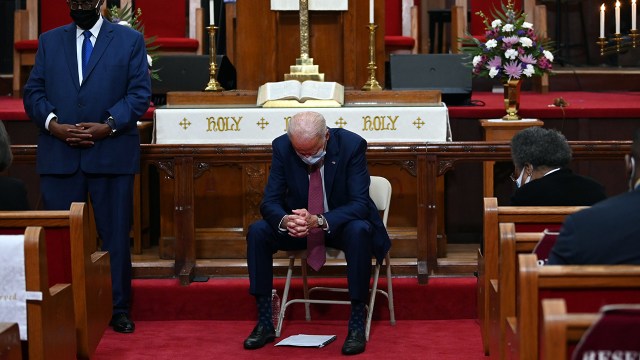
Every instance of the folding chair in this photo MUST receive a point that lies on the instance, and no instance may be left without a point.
(380, 193)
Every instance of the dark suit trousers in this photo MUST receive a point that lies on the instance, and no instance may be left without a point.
(112, 200)
(354, 239)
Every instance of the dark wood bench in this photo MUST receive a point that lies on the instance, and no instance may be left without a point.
(561, 331)
(86, 268)
(583, 287)
(488, 257)
(10, 347)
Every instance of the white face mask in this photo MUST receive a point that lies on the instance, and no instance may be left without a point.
(519, 179)
(313, 159)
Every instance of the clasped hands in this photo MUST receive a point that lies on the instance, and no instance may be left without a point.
(80, 135)
(300, 222)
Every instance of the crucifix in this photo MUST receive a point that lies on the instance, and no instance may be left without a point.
(304, 68)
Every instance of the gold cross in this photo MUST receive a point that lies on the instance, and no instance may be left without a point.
(418, 123)
(262, 123)
(185, 123)
(341, 123)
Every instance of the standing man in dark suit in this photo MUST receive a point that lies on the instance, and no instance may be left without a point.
(349, 220)
(88, 88)
(607, 233)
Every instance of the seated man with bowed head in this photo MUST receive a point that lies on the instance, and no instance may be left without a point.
(318, 189)
(541, 158)
(13, 193)
(607, 233)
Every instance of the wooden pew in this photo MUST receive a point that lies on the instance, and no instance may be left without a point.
(561, 330)
(50, 320)
(488, 258)
(502, 291)
(10, 346)
(584, 288)
(90, 269)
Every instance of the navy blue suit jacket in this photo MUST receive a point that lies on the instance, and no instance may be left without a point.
(606, 233)
(346, 181)
(117, 84)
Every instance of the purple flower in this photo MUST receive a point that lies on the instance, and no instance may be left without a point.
(511, 40)
(513, 69)
(496, 62)
(527, 59)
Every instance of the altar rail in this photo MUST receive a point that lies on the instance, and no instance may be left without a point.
(426, 163)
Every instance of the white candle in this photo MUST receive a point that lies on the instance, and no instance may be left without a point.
(371, 11)
(211, 15)
(617, 17)
(602, 21)
(633, 14)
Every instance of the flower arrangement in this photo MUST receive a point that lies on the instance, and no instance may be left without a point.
(512, 49)
(127, 17)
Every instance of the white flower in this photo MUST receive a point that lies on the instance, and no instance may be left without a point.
(491, 43)
(496, 23)
(511, 54)
(476, 60)
(529, 70)
(493, 72)
(149, 60)
(526, 42)
(548, 55)
(527, 25)
(508, 28)
(124, 23)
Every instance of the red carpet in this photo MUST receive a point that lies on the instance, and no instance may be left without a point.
(210, 320)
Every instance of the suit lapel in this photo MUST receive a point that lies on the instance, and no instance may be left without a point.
(331, 161)
(104, 38)
(70, 52)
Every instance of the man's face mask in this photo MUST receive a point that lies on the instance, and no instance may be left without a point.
(519, 179)
(313, 159)
(85, 19)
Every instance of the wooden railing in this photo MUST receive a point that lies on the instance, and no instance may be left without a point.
(426, 163)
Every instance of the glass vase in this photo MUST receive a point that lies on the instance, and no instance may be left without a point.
(512, 99)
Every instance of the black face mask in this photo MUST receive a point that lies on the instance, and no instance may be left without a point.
(85, 19)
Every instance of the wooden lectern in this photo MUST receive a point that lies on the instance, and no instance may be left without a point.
(267, 43)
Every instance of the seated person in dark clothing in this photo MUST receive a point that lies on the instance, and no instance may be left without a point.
(607, 233)
(13, 193)
(540, 157)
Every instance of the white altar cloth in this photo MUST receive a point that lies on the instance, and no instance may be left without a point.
(259, 126)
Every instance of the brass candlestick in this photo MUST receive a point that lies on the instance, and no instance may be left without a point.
(372, 84)
(213, 84)
(619, 42)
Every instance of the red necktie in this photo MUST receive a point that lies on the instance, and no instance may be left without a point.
(315, 240)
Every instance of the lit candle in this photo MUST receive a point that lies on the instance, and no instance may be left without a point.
(602, 21)
(371, 11)
(617, 16)
(211, 17)
(633, 14)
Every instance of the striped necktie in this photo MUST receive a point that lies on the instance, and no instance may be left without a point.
(87, 48)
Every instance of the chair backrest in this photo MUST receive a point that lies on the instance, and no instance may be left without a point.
(380, 193)
(617, 330)
(477, 28)
(163, 18)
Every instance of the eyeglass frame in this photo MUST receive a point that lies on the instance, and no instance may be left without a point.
(82, 5)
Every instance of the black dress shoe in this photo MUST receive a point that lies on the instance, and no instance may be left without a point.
(355, 343)
(259, 336)
(122, 323)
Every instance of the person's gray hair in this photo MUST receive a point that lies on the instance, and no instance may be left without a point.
(307, 125)
(540, 147)
(5, 149)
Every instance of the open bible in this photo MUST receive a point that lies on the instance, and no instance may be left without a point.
(292, 93)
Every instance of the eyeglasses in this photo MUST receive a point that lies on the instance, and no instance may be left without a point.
(84, 5)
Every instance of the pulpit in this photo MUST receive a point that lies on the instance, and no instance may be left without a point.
(265, 46)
